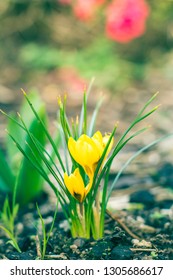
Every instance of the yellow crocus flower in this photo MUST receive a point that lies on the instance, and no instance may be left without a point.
(75, 185)
(87, 151)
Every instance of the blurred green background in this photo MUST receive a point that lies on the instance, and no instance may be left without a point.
(42, 38)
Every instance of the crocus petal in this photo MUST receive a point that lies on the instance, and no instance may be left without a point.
(84, 151)
(98, 140)
(72, 149)
(75, 185)
(69, 184)
(87, 151)
(105, 141)
(79, 181)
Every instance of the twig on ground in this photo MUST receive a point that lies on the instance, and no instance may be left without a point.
(119, 221)
(56, 257)
(143, 249)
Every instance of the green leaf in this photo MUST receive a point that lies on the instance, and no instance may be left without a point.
(6, 176)
(29, 181)
(15, 210)
(45, 130)
(12, 240)
(8, 233)
(19, 134)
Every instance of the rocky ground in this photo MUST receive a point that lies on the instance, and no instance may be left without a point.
(139, 227)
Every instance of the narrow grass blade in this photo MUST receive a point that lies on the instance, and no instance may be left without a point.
(133, 157)
(43, 232)
(94, 117)
(81, 118)
(12, 240)
(133, 124)
(103, 202)
(147, 104)
(35, 148)
(64, 145)
(35, 164)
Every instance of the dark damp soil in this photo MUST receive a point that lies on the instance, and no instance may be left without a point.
(141, 231)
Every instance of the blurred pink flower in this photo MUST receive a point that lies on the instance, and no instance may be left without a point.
(71, 79)
(126, 19)
(85, 9)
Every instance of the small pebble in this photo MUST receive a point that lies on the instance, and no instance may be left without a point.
(142, 243)
(19, 227)
(79, 242)
(73, 247)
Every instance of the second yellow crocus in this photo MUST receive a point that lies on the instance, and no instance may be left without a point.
(76, 186)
